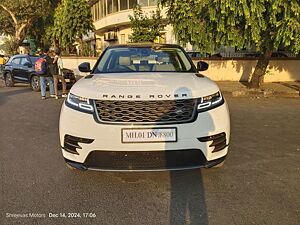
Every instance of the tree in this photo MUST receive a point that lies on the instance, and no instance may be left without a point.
(72, 20)
(144, 28)
(17, 16)
(10, 46)
(263, 24)
(37, 30)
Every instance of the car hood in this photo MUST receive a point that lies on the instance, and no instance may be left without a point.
(144, 86)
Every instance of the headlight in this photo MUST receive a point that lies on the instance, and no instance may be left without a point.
(210, 102)
(79, 103)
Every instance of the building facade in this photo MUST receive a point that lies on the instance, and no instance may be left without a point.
(112, 23)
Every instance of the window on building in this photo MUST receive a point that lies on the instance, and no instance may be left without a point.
(96, 11)
(122, 39)
(115, 6)
(143, 2)
(152, 2)
(93, 12)
(132, 3)
(123, 4)
(148, 2)
(109, 6)
(103, 6)
(100, 10)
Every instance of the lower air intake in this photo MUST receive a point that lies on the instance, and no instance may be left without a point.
(71, 143)
(127, 160)
(218, 141)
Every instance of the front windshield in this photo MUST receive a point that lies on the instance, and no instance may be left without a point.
(143, 59)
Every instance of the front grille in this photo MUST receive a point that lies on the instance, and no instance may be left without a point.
(127, 160)
(161, 111)
(68, 75)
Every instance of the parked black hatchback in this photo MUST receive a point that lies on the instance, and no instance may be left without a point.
(20, 69)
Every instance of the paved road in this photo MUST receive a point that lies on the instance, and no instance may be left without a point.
(259, 184)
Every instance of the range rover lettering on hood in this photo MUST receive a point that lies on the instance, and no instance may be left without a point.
(119, 96)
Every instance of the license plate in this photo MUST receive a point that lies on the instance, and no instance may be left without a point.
(149, 135)
(67, 80)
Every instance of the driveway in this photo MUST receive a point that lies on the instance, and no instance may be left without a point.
(259, 183)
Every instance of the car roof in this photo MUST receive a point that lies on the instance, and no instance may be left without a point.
(146, 45)
(24, 55)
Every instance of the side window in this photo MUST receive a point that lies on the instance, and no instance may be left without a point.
(16, 61)
(102, 67)
(33, 60)
(23, 61)
(177, 63)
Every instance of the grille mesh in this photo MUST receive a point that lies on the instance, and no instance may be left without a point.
(161, 111)
(145, 159)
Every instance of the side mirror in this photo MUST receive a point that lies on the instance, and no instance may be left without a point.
(84, 67)
(202, 66)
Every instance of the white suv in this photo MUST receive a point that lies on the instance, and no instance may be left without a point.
(144, 107)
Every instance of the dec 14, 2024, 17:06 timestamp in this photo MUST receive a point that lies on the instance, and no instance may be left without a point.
(72, 215)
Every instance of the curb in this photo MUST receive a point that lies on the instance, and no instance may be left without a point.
(262, 94)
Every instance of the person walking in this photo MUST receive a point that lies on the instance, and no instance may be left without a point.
(2, 60)
(58, 74)
(42, 68)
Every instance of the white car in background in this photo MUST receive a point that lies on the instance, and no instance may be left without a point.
(144, 107)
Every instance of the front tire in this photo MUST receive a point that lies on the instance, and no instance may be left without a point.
(35, 83)
(9, 81)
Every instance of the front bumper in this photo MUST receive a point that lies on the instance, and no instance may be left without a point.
(129, 167)
(105, 150)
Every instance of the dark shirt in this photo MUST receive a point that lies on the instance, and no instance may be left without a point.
(49, 64)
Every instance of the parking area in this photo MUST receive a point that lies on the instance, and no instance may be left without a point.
(259, 183)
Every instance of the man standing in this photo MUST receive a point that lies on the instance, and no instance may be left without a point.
(42, 68)
(58, 74)
(2, 60)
